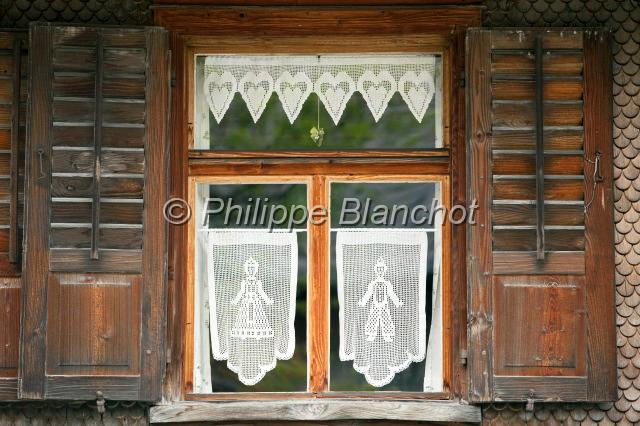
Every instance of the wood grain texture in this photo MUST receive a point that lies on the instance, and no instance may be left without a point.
(316, 410)
(508, 263)
(154, 257)
(95, 332)
(600, 295)
(479, 264)
(33, 333)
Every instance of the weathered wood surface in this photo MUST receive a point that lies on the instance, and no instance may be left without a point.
(97, 212)
(316, 410)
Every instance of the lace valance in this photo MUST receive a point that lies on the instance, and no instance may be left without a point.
(333, 78)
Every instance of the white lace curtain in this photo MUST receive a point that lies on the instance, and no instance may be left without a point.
(382, 296)
(334, 78)
(252, 278)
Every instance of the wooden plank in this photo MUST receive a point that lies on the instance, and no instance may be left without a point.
(525, 214)
(5, 139)
(303, 21)
(562, 140)
(601, 334)
(73, 187)
(124, 87)
(123, 112)
(74, 59)
(107, 238)
(505, 163)
(525, 39)
(76, 111)
(154, 284)
(82, 86)
(526, 239)
(72, 161)
(4, 240)
(112, 187)
(74, 136)
(33, 334)
(74, 36)
(555, 63)
(8, 389)
(511, 114)
(552, 341)
(84, 387)
(127, 61)
(9, 330)
(100, 335)
(525, 189)
(111, 261)
(299, 167)
(523, 90)
(123, 137)
(509, 263)
(518, 388)
(479, 236)
(316, 410)
(110, 212)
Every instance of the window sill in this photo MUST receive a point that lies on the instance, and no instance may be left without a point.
(315, 409)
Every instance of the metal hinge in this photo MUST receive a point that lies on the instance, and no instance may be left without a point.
(101, 404)
(462, 80)
(174, 79)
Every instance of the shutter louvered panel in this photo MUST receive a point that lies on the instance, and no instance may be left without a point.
(96, 268)
(541, 321)
(13, 99)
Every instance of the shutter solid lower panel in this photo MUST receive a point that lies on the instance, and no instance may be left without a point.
(540, 329)
(13, 62)
(95, 274)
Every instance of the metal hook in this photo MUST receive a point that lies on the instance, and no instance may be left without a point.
(42, 174)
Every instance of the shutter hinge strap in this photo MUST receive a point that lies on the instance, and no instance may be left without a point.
(101, 403)
(530, 402)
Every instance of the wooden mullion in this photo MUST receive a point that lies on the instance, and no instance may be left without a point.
(318, 298)
(15, 150)
(97, 147)
(539, 100)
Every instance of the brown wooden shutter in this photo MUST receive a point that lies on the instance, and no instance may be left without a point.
(541, 269)
(95, 271)
(13, 100)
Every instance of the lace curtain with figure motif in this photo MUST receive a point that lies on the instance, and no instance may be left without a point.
(382, 294)
(252, 278)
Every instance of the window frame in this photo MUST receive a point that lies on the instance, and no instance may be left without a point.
(407, 30)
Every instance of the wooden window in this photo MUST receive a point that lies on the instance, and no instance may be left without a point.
(94, 284)
(13, 65)
(247, 32)
(541, 257)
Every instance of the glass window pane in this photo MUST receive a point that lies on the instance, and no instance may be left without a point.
(237, 208)
(361, 206)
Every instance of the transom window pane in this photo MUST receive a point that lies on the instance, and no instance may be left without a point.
(294, 102)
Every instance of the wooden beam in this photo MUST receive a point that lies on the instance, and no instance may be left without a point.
(316, 410)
